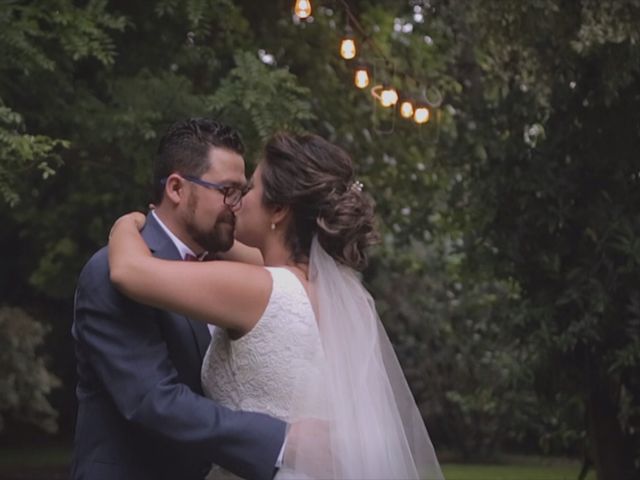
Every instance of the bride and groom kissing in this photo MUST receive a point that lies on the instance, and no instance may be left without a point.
(269, 361)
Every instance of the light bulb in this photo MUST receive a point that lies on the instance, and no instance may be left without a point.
(302, 8)
(421, 115)
(348, 48)
(406, 109)
(388, 97)
(361, 78)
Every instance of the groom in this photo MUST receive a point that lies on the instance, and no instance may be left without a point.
(141, 412)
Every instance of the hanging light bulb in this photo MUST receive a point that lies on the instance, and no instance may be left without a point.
(388, 96)
(302, 8)
(348, 48)
(406, 108)
(361, 76)
(421, 115)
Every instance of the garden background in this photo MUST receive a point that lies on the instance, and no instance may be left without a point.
(508, 274)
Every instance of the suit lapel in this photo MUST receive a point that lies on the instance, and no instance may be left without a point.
(162, 247)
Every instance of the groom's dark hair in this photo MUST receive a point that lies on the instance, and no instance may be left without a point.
(185, 146)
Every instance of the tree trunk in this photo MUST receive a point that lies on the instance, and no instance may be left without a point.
(612, 456)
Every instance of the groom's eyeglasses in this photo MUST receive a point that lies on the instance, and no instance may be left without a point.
(232, 193)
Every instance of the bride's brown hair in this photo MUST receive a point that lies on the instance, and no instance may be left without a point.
(315, 179)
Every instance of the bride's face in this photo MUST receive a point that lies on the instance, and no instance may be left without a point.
(253, 220)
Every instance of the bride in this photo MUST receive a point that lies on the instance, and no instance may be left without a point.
(299, 337)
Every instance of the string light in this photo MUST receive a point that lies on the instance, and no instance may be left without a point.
(348, 45)
(385, 94)
(406, 108)
(388, 96)
(302, 8)
(361, 76)
(421, 115)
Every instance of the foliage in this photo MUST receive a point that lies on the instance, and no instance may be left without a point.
(27, 48)
(263, 99)
(557, 193)
(21, 152)
(26, 381)
(508, 270)
(470, 379)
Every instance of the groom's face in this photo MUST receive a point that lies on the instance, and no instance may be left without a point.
(208, 220)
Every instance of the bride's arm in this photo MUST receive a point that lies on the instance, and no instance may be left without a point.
(228, 294)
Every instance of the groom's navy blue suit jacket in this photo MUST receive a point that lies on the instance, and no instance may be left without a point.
(141, 413)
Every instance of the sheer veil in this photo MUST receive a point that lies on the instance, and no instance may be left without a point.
(370, 426)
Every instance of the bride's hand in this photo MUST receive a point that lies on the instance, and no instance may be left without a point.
(307, 449)
(240, 252)
(127, 250)
(134, 218)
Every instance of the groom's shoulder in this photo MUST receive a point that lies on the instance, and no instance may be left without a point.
(96, 268)
(98, 263)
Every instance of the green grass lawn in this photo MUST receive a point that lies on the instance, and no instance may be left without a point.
(565, 471)
(40, 460)
(36, 457)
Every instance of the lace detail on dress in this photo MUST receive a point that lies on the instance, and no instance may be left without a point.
(259, 371)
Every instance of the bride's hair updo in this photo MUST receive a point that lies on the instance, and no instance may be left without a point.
(315, 179)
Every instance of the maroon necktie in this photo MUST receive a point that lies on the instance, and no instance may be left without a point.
(190, 258)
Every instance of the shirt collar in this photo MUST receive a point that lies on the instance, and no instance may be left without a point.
(180, 245)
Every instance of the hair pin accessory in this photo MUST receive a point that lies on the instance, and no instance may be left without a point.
(357, 186)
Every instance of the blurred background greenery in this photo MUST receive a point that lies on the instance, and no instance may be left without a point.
(508, 276)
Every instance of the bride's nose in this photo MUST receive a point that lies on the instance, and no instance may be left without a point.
(235, 208)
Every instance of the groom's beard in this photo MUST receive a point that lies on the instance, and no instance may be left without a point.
(219, 237)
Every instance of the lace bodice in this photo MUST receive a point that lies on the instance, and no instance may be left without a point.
(259, 371)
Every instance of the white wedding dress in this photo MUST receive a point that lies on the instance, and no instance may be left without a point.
(259, 371)
(336, 366)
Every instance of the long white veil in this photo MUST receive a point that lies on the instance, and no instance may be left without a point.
(367, 418)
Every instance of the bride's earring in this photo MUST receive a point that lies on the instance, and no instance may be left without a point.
(273, 226)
